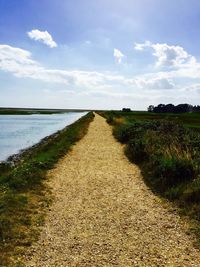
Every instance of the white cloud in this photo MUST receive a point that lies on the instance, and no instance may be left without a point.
(168, 55)
(158, 83)
(42, 36)
(118, 55)
(182, 78)
(19, 62)
(171, 56)
(153, 83)
(141, 46)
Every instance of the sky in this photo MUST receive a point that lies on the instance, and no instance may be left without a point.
(99, 54)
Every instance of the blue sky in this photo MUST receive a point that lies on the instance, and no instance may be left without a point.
(99, 54)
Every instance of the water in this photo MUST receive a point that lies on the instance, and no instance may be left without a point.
(22, 131)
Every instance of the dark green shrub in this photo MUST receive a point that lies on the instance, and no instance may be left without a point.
(173, 171)
(192, 192)
(174, 192)
(122, 133)
(135, 151)
(109, 120)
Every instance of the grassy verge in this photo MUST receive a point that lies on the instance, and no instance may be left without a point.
(23, 195)
(169, 156)
(188, 120)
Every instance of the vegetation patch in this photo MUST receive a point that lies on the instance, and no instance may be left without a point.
(23, 194)
(188, 119)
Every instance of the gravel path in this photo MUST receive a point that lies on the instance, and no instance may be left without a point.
(104, 215)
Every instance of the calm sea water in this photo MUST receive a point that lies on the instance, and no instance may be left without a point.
(21, 131)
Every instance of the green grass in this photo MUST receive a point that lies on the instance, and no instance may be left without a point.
(167, 149)
(189, 120)
(23, 195)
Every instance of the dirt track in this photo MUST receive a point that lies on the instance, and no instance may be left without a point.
(104, 215)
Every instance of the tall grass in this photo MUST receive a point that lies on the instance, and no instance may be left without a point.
(23, 195)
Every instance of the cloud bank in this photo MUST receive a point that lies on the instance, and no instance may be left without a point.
(21, 64)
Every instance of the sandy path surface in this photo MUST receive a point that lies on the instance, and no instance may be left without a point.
(104, 215)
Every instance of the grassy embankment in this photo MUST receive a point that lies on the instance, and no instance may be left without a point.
(23, 195)
(168, 153)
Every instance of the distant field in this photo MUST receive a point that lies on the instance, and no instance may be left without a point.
(28, 111)
(189, 120)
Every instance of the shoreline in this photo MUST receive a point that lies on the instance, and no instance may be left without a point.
(16, 157)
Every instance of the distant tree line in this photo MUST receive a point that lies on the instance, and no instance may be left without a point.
(170, 108)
